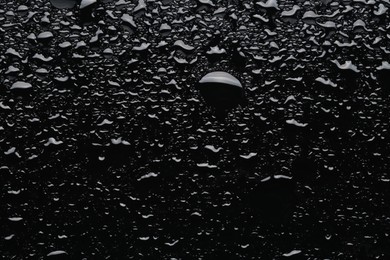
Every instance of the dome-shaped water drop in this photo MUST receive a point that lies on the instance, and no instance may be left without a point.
(63, 3)
(221, 91)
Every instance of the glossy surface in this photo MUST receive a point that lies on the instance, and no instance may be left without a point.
(114, 153)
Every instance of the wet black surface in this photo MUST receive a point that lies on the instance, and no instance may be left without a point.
(109, 151)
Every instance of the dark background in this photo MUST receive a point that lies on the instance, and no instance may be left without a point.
(130, 173)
